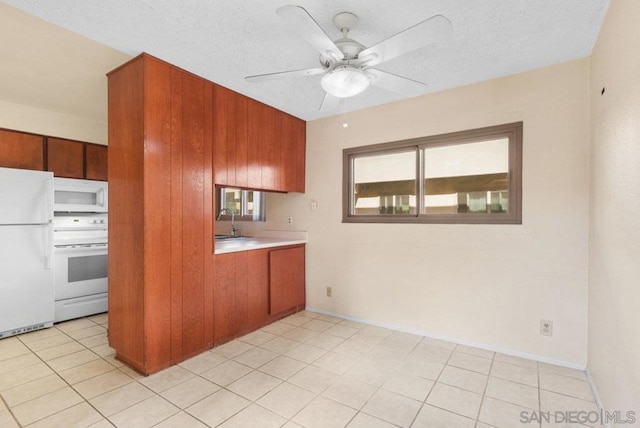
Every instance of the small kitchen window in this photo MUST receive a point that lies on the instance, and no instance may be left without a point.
(246, 205)
(471, 176)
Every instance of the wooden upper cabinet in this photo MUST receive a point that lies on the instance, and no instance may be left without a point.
(255, 113)
(65, 158)
(292, 139)
(96, 162)
(230, 124)
(19, 150)
(256, 146)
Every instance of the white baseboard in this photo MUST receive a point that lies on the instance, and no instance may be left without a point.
(511, 352)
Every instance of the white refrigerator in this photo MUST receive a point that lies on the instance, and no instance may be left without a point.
(26, 233)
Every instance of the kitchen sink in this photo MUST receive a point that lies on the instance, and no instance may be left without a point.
(226, 237)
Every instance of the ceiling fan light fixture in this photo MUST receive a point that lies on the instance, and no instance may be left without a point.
(345, 81)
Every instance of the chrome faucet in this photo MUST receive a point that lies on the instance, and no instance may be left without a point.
(234, 230)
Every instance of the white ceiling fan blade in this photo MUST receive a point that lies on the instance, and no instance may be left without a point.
(281, 74)
(425, 33)
(330, 103)
(394, 83)
(300, 20)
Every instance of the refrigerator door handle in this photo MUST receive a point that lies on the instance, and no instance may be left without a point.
(48, 232)
(48, 246)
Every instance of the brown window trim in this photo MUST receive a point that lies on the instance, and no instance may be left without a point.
(513, 131)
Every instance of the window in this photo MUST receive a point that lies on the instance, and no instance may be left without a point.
(464, 177)
(246, 205)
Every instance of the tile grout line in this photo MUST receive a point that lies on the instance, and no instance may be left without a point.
(9, 410)
(484, 392)
(65, 381)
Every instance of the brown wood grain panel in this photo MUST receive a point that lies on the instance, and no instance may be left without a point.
(193, 221)
(208, 210)
(224, 134)
(157, 236)
(284, 142)
(241, 314)
(269, 148)
(175, 208)
(126, 223)
(65, 158)
(258, 288)
(20, 150)
(241, 119)
(255, 113)
(96, 162)
(286, 279)
(299, 156)
(224, 297)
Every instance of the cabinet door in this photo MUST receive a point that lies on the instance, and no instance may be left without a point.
(257, 288)
(96, 162)
(298, 156)
(223, 136)
(18, 150)
(256, 115)
(224, 298)
(65, 158)
(286, 279)
(230, 137)
(291, 132)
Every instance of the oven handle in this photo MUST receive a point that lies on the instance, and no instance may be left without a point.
(59, 249)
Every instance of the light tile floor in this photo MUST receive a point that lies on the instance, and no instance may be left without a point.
(307, 370)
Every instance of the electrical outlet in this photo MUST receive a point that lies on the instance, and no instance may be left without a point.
(314, 205)
(329, 291)
(289, 220)
(546, 328)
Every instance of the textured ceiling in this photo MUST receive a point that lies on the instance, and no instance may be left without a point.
(225, 40)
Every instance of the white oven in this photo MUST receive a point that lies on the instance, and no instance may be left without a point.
(80, 265)
(80, 196)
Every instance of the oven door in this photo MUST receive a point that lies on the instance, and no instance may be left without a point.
(80, 270)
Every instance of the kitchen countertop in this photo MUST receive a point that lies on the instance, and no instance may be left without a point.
(263, 239)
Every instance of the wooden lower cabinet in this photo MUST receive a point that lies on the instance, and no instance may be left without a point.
(286, 279)
(244, 289)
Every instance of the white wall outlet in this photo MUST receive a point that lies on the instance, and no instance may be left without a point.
(289, 220)
(329, 291)
(314, 205)
(546, 328)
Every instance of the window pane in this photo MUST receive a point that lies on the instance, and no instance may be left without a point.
(467, 178)
(232, 199)
(247, 205)
(385, 184)
(250, 205)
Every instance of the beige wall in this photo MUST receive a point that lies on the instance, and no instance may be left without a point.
(614, 275)
(52, 81)
(485, 284)
(21, 117)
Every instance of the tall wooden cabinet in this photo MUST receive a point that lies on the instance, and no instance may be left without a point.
(160, 224)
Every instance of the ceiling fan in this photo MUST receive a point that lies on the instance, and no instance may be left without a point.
(346, 64)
